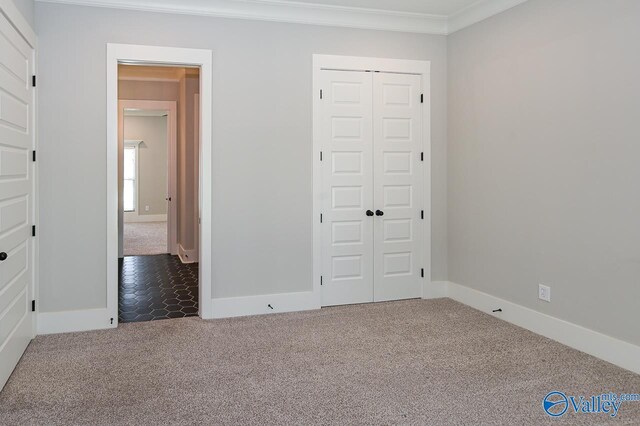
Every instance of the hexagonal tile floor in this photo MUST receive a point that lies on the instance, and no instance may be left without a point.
(156, 287)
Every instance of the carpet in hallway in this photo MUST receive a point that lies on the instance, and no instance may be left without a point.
(144, 238)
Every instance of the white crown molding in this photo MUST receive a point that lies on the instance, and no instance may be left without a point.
(283, 11)
(478, 11)
(314, 14)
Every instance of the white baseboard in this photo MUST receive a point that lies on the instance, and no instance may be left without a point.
(140, 218)
(618, 352)
(69, 321)
(187, 256)
(435, 289)
(258, 305)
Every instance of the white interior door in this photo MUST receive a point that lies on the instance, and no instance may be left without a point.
(398, 179)
(16, 197)
(347, 193)
(372, 186)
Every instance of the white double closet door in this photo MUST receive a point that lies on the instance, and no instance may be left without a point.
(372, 177)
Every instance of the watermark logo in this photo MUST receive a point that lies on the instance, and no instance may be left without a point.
(556, 403)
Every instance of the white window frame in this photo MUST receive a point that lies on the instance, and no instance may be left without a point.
(135, 144)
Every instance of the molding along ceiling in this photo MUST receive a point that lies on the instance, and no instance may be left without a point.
(390, 15)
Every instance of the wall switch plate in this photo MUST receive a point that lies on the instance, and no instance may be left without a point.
(544, 293)
(146, 208)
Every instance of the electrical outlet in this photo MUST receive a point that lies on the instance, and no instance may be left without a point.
(544, 293)
(146, 208)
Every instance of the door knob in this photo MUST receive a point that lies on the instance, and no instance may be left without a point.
(379, 213)
(369, 213)
(3, 256)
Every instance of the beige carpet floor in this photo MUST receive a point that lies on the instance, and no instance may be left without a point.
(143, 238)
(413, 362)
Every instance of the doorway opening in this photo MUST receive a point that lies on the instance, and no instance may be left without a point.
(141, 56)
(158, 191)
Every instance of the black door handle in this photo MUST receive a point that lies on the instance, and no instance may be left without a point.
(379, 213)
(3, 256)
(369, 213)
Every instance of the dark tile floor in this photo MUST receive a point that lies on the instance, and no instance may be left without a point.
(156, 287)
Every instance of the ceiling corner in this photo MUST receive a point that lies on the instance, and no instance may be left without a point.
(477, 12)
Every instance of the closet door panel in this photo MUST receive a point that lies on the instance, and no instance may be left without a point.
(397, 183)
(347, 175)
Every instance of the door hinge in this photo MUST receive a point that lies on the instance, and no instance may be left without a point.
(422, 272)
(320, 93)
(33, 230)
(33, 156)
(422, 156)
(320, 279)
(320, 155)
(320, 217)
(421, 98)
(421, 214)
(33, 306)
(33, 80)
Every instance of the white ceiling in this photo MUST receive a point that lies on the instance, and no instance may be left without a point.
(417, 16)
(429, 7)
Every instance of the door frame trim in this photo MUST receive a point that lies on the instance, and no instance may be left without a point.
(172, 161)
(128, 53)
(356, 63)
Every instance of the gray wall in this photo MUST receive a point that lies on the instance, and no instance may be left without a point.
(544, 171)
(26, 7)
(262, 188)
(152, 164)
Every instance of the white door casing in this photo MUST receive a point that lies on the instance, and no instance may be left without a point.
(347, 166)
(386, 256)
(17, 246)
(158, 55)
(397, 182)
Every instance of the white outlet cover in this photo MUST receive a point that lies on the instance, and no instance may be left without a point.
(544, 293)
(146, 208)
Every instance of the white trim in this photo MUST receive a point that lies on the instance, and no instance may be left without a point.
(314, 14)
(284, 11)
(354, 63)
(615, 351)
(173, 56)
(152, 79)
(134, 217)
(70, 321)
(187, 256)
(259, 305)
(9, 9)
(479, 11)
